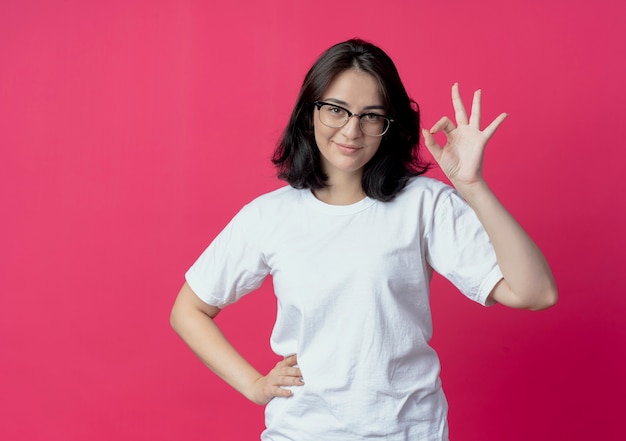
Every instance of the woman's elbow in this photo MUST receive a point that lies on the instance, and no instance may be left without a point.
(175, 318)
(548, 299)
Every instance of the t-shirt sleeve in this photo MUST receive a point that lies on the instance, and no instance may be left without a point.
(232, 265)
(459, 249)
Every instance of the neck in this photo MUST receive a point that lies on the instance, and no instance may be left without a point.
(341, 192)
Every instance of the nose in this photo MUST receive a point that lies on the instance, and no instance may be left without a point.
(352, 129)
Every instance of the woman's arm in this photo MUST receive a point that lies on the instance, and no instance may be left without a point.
(528, 282)
(192, 319)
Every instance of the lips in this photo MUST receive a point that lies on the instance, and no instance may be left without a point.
(348, 148)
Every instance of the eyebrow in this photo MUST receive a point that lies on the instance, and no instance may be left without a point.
(343, 103)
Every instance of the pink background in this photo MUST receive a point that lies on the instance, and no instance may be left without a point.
(132, 131)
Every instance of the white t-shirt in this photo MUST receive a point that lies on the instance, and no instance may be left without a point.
(352, 285)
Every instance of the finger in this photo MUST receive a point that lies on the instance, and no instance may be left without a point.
(287, 367)
(459, 109)
(491, 128)
(278, 391)
(432, 144)
(293, 372)
(289, 381)
(444, 124)
(291, 360)
(475, 115)
(287, 372)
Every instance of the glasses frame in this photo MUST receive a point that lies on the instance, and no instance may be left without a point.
(319, 105)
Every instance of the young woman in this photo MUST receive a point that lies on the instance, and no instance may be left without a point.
(351, 244)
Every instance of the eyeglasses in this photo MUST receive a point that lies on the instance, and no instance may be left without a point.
(372, 124)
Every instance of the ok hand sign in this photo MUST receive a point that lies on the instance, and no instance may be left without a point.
(461, 158)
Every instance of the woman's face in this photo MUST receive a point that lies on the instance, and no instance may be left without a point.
(345, 150)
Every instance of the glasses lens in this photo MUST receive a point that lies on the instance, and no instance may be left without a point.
(333, 116)
(372, 124)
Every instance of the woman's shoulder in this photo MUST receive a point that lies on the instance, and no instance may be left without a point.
(277, 196)
(425, 186)
(424, 195)
(275, 201)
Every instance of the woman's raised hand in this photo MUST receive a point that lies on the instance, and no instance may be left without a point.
(461, 158)
(285, 373)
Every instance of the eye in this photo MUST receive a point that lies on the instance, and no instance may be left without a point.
(373, 117)
(337, 111)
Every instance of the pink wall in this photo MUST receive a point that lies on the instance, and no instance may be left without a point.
(131, 131)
